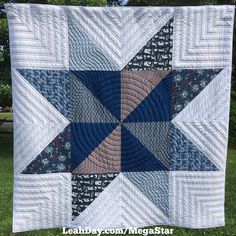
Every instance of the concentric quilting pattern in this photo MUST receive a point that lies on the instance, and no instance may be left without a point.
(135, 87)
(135, 156)
(81, 98)
(159, 97)
(105, 86)
(126, 108)
(85, 138)
(105, 157)
(154, 136)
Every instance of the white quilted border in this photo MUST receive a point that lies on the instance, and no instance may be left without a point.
(203, 37)
(38, 36)
(41, 201)
(197, 198)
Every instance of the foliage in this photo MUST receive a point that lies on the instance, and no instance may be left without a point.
(78, 2)
(178, 2)
(169, 2)
(232, 126)
(5, 95)
(4, 52)
(5, 76)
(114, 3)
(63, 2)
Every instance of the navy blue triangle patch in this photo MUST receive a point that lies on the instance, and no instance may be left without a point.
(135, 156)
(156, 107)
(186, 156)
(156, 53)
(54, 85)
(105, 86)
(187, 84)
(86, 188)
(55, 157)
(86, 137)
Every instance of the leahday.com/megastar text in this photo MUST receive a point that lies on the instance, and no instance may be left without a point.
(98, 232)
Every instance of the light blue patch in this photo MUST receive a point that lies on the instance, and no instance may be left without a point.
(154, 185)
(84, 54)
(54, 85)
(186, 156)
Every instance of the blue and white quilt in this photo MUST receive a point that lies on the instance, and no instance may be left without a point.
(120, 115)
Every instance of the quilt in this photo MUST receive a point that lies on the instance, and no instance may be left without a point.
(120, 115)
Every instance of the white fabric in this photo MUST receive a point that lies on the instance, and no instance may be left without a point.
(41, 201)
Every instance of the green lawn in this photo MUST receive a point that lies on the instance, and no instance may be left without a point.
(6, 128)
(6, 185)
(6, 115)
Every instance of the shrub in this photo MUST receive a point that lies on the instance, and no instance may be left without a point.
(5, 95)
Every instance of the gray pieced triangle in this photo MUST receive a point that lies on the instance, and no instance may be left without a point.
(85, 107)
(84, 53)
(153, 136)
(154, 185)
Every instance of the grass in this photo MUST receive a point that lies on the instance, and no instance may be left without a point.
(6, 187)
(6, 129)
(6, 116)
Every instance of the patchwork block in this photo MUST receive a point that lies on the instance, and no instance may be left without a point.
(120, 115)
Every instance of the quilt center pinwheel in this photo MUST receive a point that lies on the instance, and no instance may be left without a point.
(127, 98)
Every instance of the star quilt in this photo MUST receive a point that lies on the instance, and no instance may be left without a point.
(120, 115)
